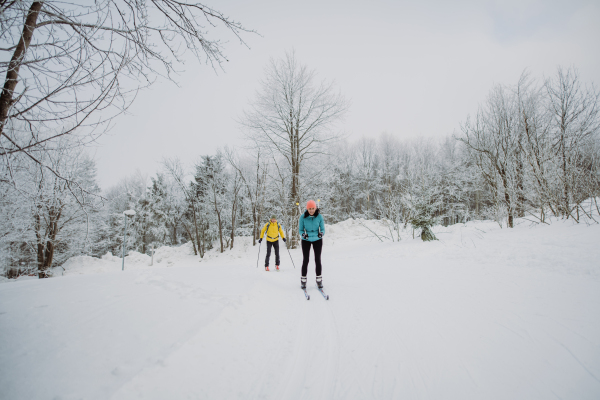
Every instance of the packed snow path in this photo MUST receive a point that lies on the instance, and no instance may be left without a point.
(484, 313)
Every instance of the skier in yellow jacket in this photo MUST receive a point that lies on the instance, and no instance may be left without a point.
(273, 230)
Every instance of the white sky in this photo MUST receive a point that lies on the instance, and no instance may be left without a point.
(408, 69)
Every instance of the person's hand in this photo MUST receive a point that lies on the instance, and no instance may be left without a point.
(260, 240)
(320, 235)
(284, 239)
(304, 236)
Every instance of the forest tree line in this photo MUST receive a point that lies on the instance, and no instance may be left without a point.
(532, 150)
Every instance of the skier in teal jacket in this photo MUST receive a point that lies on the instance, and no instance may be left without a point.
(311, 227)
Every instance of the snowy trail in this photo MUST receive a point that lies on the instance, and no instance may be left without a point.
(481, 314)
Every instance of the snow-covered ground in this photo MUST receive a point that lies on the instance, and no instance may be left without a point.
(483, 313)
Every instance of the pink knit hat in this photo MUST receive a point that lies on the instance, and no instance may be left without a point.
(311, 204)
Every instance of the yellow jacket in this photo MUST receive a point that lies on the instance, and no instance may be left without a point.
(273, 231)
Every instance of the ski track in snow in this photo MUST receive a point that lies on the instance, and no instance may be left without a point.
(484, 313)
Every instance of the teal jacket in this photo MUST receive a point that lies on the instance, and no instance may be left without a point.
(311, 225)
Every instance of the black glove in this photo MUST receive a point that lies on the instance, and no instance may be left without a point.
(260, 240)
(283, 239)
(304, 236)
(320, 235)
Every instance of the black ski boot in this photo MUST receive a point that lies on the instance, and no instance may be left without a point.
(303, 282)
(320, 282)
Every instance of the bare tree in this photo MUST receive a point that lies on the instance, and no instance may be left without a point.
(235, 190)
(253, 174)
(72, 67)
(421, 194)
(575, 123)
(367, 165)
(534, 143)
(52, 217)
(279, 188)
(344, 189)
(194, 227)
(293, 115)
(494, 137)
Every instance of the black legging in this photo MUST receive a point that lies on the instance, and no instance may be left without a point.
(317, 246)
(275, 245)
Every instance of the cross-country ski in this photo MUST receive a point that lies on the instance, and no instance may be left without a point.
(306, 294)
(326, 296)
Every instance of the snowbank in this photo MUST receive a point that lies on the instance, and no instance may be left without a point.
(163, 257)
(528, 231)
(357, 230)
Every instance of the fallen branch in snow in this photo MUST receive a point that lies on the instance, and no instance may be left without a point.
(535, 216)
(392, 232)
(588, 215)
(363, 225)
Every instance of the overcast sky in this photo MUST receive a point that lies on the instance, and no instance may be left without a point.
(408, 69)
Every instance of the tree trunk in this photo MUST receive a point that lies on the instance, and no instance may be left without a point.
(12, 74)
(197, 237)
(40, 258)
(201, 241)
(566, 201)
(190, 234)
(258, 202)
(507, 199)
(218, 218)
(254, 233)
(294, 193)
(202, 245)
(508, 208)
(45, 243)
(220, 230)
(563, 155)
(520, 187)
(144, 238)
(233, 212)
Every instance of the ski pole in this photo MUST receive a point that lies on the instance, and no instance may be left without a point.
(288, 249)
(259, 244)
